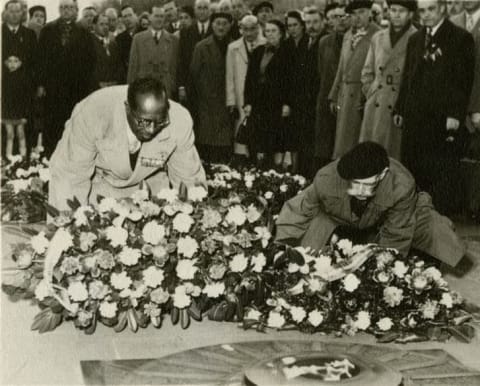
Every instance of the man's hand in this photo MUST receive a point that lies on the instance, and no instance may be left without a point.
(475, 117)
(41, 92)
(285, 111)
(247, 109)
(182, 94)
(334, 108)
(398, 120)
(452, 124)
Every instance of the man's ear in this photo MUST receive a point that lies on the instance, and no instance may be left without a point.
(383, 173)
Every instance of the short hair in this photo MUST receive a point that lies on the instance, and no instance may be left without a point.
(156, 6)
(188, 10)
(110, 9)
(12, 2)
(279, 25)
(37, 8)
(248, 19)
(126, 6)
(332, 6)
(295, 15)
(202, 1)
(145, 86)
(90, 8)
(314, 11)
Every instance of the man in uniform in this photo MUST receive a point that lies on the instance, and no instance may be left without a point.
(120, 136)
(368, 197)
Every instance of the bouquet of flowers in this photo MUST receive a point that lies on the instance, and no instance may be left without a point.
(347, 288)
(25, 189)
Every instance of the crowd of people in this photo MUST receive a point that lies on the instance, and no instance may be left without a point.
(292, 91)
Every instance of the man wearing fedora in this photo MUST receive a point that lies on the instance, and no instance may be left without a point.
(368, 197)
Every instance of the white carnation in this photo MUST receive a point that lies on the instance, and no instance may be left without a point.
(351, 282)
(197, 193)
(239, 263)
(315, 318)
(363, 320)
(385, 324)
(186, 269)
(258, 262)
(39, 243)
(153, 276)
(108, 310)
(182, 223)
(117, 236)
(169, 195)
(298, 314)
(77, 291)
(399, 269)
(236, 215)
(129, 256)
(214, 290)
(153, 233)
(120, 281)
(275, 320)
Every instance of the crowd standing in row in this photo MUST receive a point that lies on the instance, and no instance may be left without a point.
(292, 91)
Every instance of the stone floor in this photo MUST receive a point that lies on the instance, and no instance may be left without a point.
(54, 358)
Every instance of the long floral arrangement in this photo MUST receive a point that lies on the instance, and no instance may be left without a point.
(193, 254)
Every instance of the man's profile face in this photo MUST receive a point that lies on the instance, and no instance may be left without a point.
(149, 117)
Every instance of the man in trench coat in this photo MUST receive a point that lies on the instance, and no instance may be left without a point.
(346, 95)
(118, 137)
(381, 77)
(375, 198)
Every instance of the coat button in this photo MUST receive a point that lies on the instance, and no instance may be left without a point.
(394, 89)
(380, 86)
(351, 95)
(389, 107)
(377, 104)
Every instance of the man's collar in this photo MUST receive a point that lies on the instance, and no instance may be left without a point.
(13, 28)
(154, 32)
(437, 27)
(133, 143)
(205, 23)
(475, 15)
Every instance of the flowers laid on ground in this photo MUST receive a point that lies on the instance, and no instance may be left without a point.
(186, 254)
(25, 189)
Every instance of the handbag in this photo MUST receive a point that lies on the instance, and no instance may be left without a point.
(245, 132)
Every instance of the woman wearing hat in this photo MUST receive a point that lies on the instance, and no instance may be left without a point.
(267, 94)
(382, 74)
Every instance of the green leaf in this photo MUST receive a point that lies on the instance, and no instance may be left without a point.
(175, 315)
(184, 318)
(464, 333)
(194, 311)
(122, 322)
(471, 308)
(183, 192)
(389, 337)
(93, 325)
(51, 211)
(46, 320)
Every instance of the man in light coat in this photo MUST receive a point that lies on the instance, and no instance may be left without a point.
(382, 75)
(367, 197)
(238, 55)
(118, 137)
(154, 53)
(346, 96)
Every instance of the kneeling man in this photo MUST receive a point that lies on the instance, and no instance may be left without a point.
(120, 136)
(368, 197)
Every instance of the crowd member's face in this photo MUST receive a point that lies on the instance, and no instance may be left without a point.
(431, 12)
(157, 18)
(361, 18)
(366, 188)
(264, 14)
(221, 27)
(294, 27)
(88, 16)
(185, 20)
(171, 12)
(250, 31)
(128, 17)
(202, 11)
(112, 20)
(101, 27)
(238, 9)
(14, 13)
(149, 118)
(454, 6)
(225, 7)
(273, 34)
(341, 20)
(144, 23)
(399, 16)
(314, 24)
(471, 6)
(13, 63)
(377, 13)
(39, 18)
(68, 10)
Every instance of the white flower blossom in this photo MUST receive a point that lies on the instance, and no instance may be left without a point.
(362, 321)
(153, 233)
(346, 246)
(315, 318)
(275, 320)
(169, 195)
(393, 296)
(118, 236)
(107, 204)
(214, 290)
(186, 269)
(182, 223)
(351, 282)
(447, 300)
(44, 174)
(187, 246)
(293, 267)
(120, 280)
(268, 195)
(129, 256)
(385, 324)
(399, 269)
(236, 215)
(252, 314)
(77, 291)
(197, 193)
(39, 243)
(108, 310)
(258, 262)
(239, 263)
(253, 214)
(43, 290)
(180, 298)
(153, 276)
(298, 314)
(283, 188)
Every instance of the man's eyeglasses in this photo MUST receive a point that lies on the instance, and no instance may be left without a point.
(144, 123)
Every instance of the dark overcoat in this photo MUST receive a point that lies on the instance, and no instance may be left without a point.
(208, 71)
